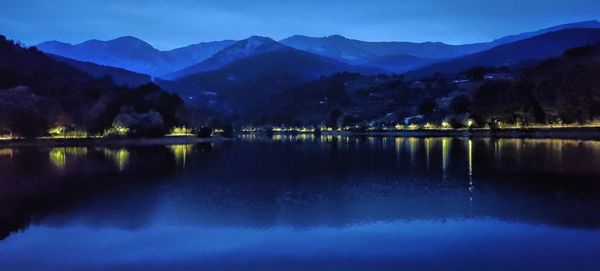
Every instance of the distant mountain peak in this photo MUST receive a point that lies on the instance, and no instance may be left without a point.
(255, 42)
(259, 38)
(251, 46)
(130, 41)
(55, 42)
(336, 36)
(127, 39)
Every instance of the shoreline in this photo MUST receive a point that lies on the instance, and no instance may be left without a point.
(582, 133)
(109, 142)
(577, 133)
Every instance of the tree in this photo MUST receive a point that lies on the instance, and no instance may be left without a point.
(493, 99)
(428, 106)
(145, 124)
(333, 118)
(23, 113)
(461, 104)
(476, 73)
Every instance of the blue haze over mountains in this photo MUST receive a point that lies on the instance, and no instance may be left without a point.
(393, 57)
(241, 76)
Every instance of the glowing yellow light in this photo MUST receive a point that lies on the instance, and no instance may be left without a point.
(445, 125)
(413, 127)
(117, 130)
(470, 123)
(399, 127)
(428, 126)
(7, 137)
(180, 131)
(56, 131)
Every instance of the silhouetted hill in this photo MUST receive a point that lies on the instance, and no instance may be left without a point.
(134, 54)
(537, 48)
(563, 89)
(120, 76)
(252, 79)
(401, 63)
(558, 90)
(342, 98)
(245, 48)
(566, 88)
(38, 92)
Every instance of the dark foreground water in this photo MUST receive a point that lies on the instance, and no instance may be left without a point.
(304, 203)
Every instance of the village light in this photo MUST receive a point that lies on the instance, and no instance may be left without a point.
(180, 131)
(56, 131)
(117, 130)
(445, 124)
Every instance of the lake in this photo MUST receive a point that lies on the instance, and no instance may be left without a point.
(304, 203)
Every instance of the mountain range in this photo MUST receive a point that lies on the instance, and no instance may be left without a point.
(226, 73)
(134, 54)
(239, 75)
(138, 56)
(299, 79)
(536, 48)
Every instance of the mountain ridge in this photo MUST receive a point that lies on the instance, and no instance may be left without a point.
(241, 49)
(536, 48)
(133, 54)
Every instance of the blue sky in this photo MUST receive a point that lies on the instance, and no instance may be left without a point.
(170, 24)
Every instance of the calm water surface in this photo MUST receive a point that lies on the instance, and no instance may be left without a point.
(304, 203)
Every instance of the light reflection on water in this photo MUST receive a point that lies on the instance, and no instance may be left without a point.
(119, 156)
(181, 151)
(60, 155)
(304, 202)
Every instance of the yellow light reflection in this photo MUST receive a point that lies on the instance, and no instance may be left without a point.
(120, 157)
(445, 155)
(427, 151)
(181, 152)
(470, 161)
(60, 156)
(413, 146)
(6, 152)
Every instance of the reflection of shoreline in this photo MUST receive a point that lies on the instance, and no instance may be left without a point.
(111, 142)
(342, 180)
(56, 178)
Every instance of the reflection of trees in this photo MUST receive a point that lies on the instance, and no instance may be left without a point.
(33, 188)
(508, 179)
(322, 181)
